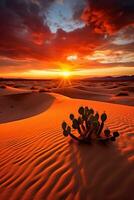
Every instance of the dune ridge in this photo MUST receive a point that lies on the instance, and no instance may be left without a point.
(8, 90)
(37, 162)
(97, 94)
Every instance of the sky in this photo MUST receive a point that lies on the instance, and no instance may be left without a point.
(42, 38)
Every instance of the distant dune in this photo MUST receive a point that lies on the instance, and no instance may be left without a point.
(99, 93)
(6, 90)
(105, 89)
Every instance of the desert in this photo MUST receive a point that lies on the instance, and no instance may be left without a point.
(66, 100)
(38, 162)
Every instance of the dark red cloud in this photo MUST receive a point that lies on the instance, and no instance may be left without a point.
(22, 27)
(81, 41)
(24, 33)
(109, 16)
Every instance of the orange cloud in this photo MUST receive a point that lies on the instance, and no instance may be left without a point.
(27, 43)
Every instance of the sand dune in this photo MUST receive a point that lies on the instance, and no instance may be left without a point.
(6, 90)
(114, 91)
(97, 94)
(37, 162)
(20, 106)
(81, 94)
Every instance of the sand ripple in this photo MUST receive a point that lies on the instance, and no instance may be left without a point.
(38, 163)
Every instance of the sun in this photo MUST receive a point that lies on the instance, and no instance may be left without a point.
(65, 80)
(66, 74)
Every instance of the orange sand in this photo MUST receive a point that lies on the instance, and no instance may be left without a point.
(37, 162)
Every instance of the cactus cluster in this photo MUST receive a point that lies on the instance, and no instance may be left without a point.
(89, 125)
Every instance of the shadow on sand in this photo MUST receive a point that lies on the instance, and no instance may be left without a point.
(101, 172)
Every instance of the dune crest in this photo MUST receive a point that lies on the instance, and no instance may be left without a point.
(7, 90)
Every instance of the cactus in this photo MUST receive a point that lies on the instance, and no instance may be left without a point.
(76, 125)
(66, 129)
(64, 125)
(116, 134)
(86, 116)
(80, 121)
(87, 111)
(91, 111)
(97, 116)
(71, 116)
(87, 124)
(81, 111)
(103, 119)
(92, 129)
(107, 132)
(65, 133)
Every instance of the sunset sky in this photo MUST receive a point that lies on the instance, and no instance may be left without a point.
(43, 38)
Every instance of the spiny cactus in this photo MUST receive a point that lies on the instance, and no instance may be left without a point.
(116, 134)
(67, 131)
(71, 116)
(64, 125)
(88, 126)
(103, 119)
(107, 132)
(81, 111)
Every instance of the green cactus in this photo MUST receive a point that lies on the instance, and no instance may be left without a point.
(65, 133)
(76, 125)
(64, 125)
(103, 117)
(88, 124)
(87, 111)
(97, 116)
(92, 119)
(81, 110)
(91, 111)
(92, 129)
(69, 129)
(71, 116)
(107, 132)
(116, 134)
(95, 124)
(80, 121)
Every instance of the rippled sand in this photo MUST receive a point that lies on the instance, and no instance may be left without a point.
(37, 162)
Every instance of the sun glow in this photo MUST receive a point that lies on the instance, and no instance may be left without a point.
(65, 80)
(65, 73)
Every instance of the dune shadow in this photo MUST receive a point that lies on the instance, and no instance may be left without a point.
(20, 106)
(101, 172)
